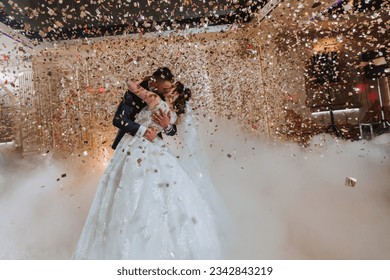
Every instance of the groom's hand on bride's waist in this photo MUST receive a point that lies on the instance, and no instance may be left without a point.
(161, 118)
(151, 133)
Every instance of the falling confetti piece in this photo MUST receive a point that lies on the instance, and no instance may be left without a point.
(350, 182)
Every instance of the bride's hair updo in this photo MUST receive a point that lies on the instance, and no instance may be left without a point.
(184, 95)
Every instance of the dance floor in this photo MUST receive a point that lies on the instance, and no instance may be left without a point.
(286, 201)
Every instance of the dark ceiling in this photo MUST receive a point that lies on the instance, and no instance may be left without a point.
(70, 19)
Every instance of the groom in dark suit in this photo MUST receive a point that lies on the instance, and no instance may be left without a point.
(161, 83)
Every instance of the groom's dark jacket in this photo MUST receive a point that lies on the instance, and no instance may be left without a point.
(126, 112)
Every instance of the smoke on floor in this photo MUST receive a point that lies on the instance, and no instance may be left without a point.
(287, 202)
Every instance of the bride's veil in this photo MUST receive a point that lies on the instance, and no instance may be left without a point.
(193, 161)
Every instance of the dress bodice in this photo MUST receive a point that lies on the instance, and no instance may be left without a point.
(144, 118)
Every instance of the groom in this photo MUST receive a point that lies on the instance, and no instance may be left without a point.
(124, 119)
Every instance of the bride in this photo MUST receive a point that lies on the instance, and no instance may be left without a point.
(147, 205)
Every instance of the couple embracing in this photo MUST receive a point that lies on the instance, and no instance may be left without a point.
(148, 205)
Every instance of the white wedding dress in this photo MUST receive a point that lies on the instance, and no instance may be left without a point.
(148, 207)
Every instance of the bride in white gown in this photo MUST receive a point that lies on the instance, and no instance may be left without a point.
(148, 206)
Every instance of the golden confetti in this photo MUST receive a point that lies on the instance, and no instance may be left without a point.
(350, 182)
(266, 90)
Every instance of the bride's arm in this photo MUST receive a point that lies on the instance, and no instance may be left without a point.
(151, 98)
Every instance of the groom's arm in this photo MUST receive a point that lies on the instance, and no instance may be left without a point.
(171, 130)
(123, 121)
(167, 121)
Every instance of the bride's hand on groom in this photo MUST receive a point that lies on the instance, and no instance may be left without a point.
(151, 133)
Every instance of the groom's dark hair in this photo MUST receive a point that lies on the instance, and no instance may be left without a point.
(163, 74)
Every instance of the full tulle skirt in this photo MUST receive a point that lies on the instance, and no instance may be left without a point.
(147, 206)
